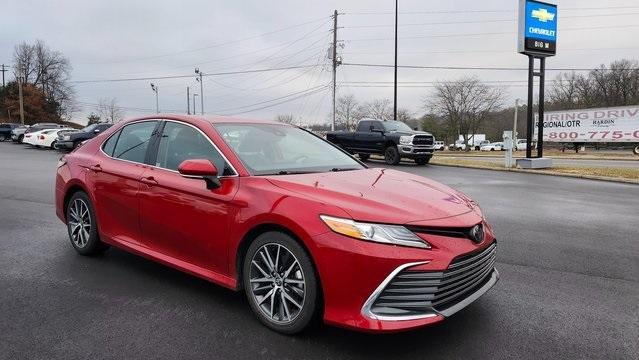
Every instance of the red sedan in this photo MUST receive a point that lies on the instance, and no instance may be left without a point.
(301, 226)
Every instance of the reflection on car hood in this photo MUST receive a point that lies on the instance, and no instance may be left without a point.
(381, 195)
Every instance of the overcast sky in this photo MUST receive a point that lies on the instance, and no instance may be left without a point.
(118, 39)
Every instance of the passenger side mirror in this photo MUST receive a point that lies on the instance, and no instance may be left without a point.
(200, 168)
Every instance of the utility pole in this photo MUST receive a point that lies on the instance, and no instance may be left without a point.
(21, 100)
(334, 66)
(157, 104)
(188, 101)
(197, 71)
(194, 96)
(3, 71)
(395, 82)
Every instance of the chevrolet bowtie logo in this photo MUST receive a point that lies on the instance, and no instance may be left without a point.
(543, 15)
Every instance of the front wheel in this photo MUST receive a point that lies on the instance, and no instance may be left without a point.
(391, 155)
(280, 283)
(636, 150)
(422, 161)
(53, 145)
(82, 225)
(3, 137)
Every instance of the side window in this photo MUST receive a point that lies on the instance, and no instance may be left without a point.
(181, 142)
(364, 126)
(377, 125)
(133, 141)
(109, 145)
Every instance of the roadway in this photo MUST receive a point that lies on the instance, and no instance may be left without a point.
(568, 257)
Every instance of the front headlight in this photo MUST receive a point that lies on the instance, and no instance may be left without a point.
(405, 140)
(387, 234)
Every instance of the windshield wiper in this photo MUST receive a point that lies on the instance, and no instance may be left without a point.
(342, 169)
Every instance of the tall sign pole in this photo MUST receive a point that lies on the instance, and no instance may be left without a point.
(334, 56)
(537, 39)
(395, 81)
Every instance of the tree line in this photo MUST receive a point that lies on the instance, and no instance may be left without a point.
(47, 92)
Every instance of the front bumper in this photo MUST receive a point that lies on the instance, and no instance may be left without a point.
(353, 274)
(415, 151)
(64, 145)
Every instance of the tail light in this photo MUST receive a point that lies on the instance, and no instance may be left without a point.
(41, 137)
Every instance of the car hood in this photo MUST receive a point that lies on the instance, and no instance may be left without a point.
(381, 195)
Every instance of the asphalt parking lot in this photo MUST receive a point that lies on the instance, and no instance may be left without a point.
(568, 257)
(630, 163)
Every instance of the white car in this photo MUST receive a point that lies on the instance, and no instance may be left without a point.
(439, 145)
(497, 146)
(30, 138)
(47, 138)
(521, 144)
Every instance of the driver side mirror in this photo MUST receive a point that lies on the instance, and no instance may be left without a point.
(201, 168)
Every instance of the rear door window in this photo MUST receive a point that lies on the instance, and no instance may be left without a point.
(133, 141)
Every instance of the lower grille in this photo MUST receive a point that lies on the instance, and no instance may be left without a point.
(418, 292)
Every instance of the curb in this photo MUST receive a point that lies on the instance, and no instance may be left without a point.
(557, 158)
(550, 173)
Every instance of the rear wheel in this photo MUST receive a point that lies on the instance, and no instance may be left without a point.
(364, 157)
(636, 150)
(82, 225)
(20, 138)
(3, 137)
(391, 155)
(53, 144)
(280, 283)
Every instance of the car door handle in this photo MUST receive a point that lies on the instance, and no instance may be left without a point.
(149, 181)
(96, 168)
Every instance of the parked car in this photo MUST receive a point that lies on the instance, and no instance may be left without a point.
(32, 137)
(48, 138)
(439, 145)
(521, 144)
(17, 133)
(69, 140)
(271, 209)
(457, 146)
(481, 143)
(5, 130)
(42, 126)
(392, 139)
(496, 146)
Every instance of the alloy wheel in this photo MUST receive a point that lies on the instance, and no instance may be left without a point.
(277, 283)
(79, 223)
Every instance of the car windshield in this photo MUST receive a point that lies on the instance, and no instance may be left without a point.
(273, 149)
(396, 126)
(89, 128)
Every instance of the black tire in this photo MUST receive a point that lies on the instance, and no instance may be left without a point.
(3, 137)
(364, 157)
(492, 149)
(298, 318)
(636, 150)
(422, 161)
(53, 145)
(20, 138)
(391, 155)
(87, 242)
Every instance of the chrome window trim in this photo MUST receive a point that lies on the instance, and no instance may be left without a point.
(161, 168)
(366, 309)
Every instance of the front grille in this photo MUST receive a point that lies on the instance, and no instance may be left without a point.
(422, 140)
(418, 292)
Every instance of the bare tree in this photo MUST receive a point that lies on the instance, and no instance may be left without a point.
(347, 112)
(49, 71)
(285, 118)
(108, 110)
(465, 104)
(379, 109)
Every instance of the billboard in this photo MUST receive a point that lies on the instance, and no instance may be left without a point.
(537, 28)
(615, 124)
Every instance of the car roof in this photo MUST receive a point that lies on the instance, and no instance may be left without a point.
(212, 119)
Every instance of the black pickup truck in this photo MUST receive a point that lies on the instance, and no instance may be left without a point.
(392, 139)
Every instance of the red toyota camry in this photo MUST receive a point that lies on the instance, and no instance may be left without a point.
(299, 225)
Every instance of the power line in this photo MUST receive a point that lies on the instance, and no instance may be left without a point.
(474, 67)
(188, 76)
(271, 100)
(474, 21)
(478, 11)
(491, 33)
(282, 102)
(235, 41)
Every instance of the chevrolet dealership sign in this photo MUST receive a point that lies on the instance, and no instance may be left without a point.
(537, 28)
